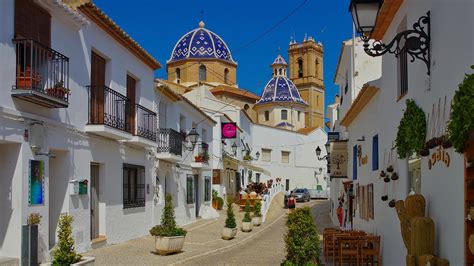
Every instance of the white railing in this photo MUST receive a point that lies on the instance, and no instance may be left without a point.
(267, 199)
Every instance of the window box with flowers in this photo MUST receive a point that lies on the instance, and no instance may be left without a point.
(203, 155)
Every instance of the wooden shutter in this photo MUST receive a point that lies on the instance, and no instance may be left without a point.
(97, 89)
(32, 22)
(130, 107)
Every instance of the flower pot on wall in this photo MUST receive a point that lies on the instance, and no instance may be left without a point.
(167, 245)
(247, 226)
(229, 233)
(257, 221)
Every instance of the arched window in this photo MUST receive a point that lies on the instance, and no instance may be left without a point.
(279, 72)
(267, 115)
(178, 73)
(246, 107)
(275, 72)
(202, 73)
(300, 68)
(284, 115)
(226, 75)
(299, 115)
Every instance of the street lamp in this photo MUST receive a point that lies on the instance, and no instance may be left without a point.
(193, 137)
(234, 148)
(414, 42)
(257, 155)
(318, 154)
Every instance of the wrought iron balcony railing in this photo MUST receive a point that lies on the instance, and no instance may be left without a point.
(146, 123)
(40, 69)
(108, 107)
(170, 140)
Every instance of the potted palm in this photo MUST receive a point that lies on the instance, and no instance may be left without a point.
(230, 227)
(257, 212)
(168, 237)
(247, 224)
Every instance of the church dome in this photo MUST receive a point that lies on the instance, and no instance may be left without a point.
(280, 88)
(201, 43)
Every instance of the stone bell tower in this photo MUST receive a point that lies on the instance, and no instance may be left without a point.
(306, 71)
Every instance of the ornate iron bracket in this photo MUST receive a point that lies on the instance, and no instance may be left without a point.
(415, 42)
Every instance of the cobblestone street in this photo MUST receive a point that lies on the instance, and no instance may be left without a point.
(204, 246)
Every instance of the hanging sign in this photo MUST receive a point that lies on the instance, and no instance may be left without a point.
(216, 176)
(333, 136)
(439, 155)
(338, 159)
(229, 130)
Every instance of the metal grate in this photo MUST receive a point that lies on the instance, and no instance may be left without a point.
(146, 123)
(170, 140)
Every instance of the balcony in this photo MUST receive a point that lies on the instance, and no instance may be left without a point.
(144, 127)
(42, 75)
(170, 145)
(110, 113)
(201, 160)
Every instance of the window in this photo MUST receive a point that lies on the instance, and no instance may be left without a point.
(300, 68)
(178, 74)
(267, 115)
(226, 75)
(317, 67)
(375, 152)
(354, 163)
(246, 107)
(284, 115)
(182, 123)
(402, 61)
(257, 177)
(202, 73)
(207, 188)
(133, 186)
(266, 155)
(299, 115)
(189, 189)
(275, 72)
(279, 72)
(285, 156)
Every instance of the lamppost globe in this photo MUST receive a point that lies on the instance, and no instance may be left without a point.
(364, 13)
(257, 155)
(318, 151)
(193, 137)
(234, 148)
(327, 146)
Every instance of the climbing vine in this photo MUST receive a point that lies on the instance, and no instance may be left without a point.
(462, 118)
(411, 131)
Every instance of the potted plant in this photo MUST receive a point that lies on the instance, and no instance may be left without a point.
(30, 234)
(28, 80)
(215, 195)
(220, 203)
(58, 91)
(247, 224)
(64, 253)
(168, 237)
(230, 227)
(257, 212)
(411, 132)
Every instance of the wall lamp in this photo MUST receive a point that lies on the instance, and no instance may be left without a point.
(414, 42)
(318, 152)
(193, 137)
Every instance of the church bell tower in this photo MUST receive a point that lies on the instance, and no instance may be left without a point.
(306, 72)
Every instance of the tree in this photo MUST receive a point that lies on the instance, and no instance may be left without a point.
(64, 253)
(230, 220)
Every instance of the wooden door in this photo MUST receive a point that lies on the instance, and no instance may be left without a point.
(97, 100)
(94, 208)
(469, 199)
(130, 106)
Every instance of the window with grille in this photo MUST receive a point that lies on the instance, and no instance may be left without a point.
(285, 156)
(207, 188)
(189, 189)
(284, 115)
(133, 186)
(266, 155)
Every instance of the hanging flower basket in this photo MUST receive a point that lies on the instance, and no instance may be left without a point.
(411, 133)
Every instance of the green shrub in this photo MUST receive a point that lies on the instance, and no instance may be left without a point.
(411, 132)
(63, 253)
(301, 239)
(258, 209)
(215, 194)
(247, 217)
(220, 203)
(462, 119)
(168, 224)
(230, 220)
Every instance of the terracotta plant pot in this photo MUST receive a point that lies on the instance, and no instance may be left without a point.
(386, 179)
(382, 173)
(384, 197)
(215, 204)
(390, 169)
(167, 245)
(229, 233)
(257, 221)
(391, 204)
(394, 176)
(247, 226)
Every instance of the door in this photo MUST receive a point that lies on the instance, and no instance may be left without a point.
(130, 106)
(94, 201)
(237, 182)
(196, 194)
(97, 89)
(287, 185)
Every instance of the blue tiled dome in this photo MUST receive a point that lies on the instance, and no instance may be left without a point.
(280, 88)
(201, 43)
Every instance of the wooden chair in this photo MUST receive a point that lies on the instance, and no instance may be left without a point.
(327, 242)
(370, 249)
(243, 200)
(334, 245)
(349, 246)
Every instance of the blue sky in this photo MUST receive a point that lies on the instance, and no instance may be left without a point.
(157, 25)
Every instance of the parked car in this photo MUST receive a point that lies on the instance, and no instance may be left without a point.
(302, 194)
